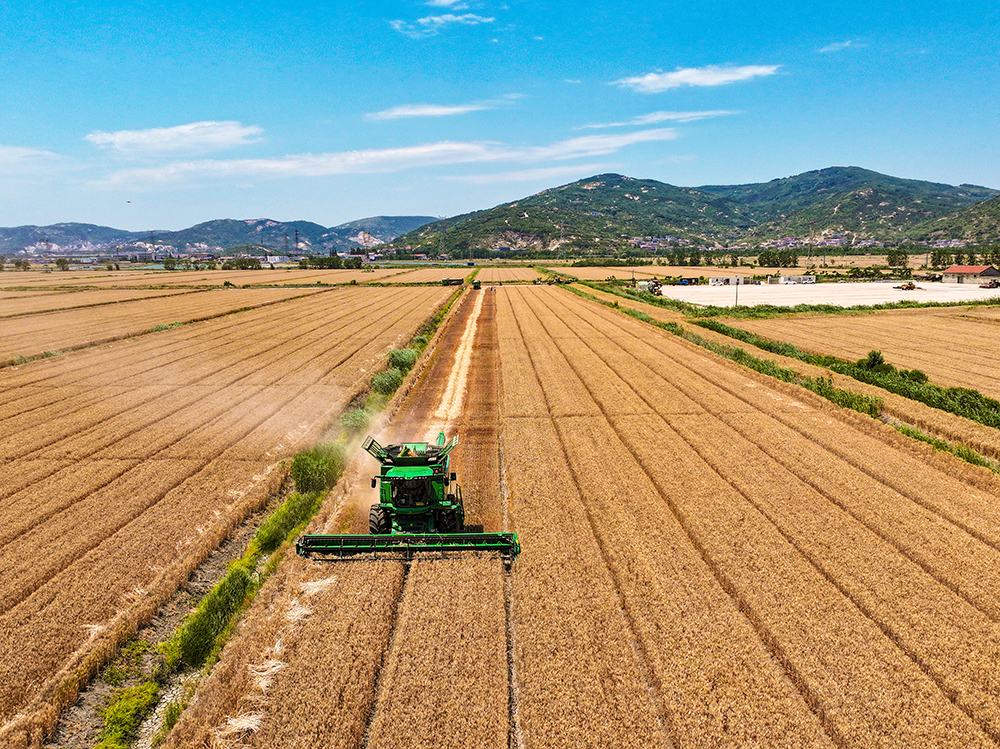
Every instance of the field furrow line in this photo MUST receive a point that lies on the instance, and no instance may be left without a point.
(175, 403)
(971, 513)
(192, 344)
(448, 645)
(942, 550)
(33, 333)
(378, 682)
(952, 642)
(927, 560)
(192, 341)
(39, 306)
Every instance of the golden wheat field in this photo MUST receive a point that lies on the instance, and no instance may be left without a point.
(125, 464)
(708, 560)
(709, 557)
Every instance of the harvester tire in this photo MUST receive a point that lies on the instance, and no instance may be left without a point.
(378, 520)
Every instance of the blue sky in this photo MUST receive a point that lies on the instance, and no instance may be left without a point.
(142, 115)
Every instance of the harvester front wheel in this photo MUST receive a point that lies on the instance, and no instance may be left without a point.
(378, 520)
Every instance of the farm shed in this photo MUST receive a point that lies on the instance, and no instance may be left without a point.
(969, 273)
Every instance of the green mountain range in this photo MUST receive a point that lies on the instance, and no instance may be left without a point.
(609, 208)
(601, 212)
(210, 236)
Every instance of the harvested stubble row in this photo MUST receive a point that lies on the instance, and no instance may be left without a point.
(503, 274)
(131, 279)
(951, 345)
(16, 303)
(30, 335)
(871, 669)
(126, 496)
(430, 275)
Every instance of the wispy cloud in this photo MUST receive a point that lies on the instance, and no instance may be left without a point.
(425, 110)
(378, 160)
(453, 4)
(840, 46)
(431, 25)
(654, 118)
(441, 110)
(193, 138)
(712, 75)
(598, 145)
(531, 175)
(18, 155)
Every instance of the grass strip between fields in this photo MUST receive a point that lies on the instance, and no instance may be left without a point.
(959, 450)
(198, 642)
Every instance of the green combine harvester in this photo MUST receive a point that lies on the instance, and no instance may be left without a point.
(419, 509)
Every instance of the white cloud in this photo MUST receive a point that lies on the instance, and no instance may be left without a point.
(453, 4)
(378, 160)
(840, 46)
(598, 145)
(18, 155)
(441, 110)
(431, 25)
(424, 110)
(654, 118)
(712, 75)
(193, 138)
(531, 175)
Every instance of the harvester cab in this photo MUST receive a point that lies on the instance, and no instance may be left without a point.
(419, 509)
(418, 494)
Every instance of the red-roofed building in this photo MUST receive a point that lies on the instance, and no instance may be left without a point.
(969, 273)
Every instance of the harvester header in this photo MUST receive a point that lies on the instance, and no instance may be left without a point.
(419, 509)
